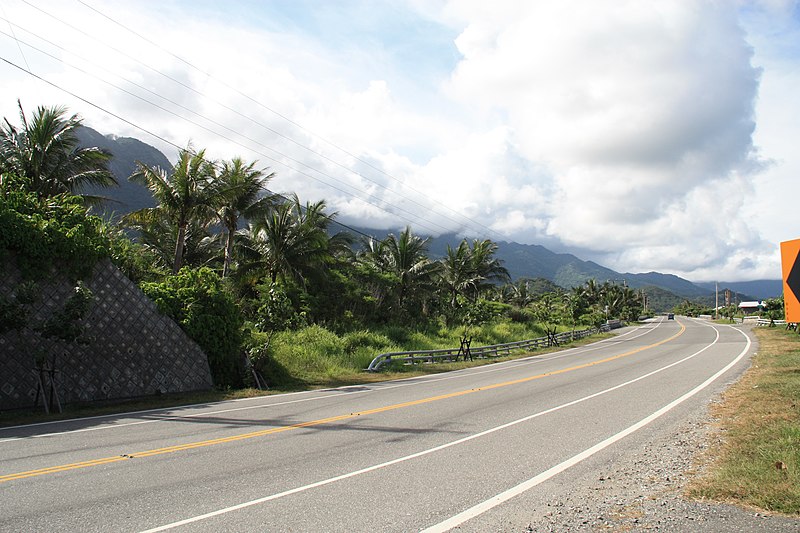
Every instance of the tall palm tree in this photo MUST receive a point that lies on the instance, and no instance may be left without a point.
(592, 291)
(184, 195)
(158, 235)
(487, 268)
(521, 293)
(470, 270)
(457, 272)
(290, 241)
(44, 151)
(406, 257)
(242, 193)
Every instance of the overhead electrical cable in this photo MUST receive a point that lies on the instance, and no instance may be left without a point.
(299, 126)
(356, 195)
(155, 135)
(140, 128)
(11, 28)
(289, 120)
(417, 218)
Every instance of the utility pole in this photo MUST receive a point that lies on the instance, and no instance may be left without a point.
(716, 300)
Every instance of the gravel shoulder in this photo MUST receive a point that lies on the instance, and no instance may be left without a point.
(643, 491)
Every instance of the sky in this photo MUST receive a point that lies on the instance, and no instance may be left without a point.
(644, 136)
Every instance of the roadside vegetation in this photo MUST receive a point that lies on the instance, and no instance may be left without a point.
(758, 461)
(260, 280)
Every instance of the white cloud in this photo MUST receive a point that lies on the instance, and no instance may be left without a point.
(635, 108)
(631, 133)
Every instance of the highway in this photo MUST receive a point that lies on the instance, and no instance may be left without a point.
(472, 449)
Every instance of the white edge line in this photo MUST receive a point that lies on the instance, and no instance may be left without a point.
(422, 453)
(486, 505)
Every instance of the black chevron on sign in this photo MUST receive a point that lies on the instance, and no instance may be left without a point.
(793, 279)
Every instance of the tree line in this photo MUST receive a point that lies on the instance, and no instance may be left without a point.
(274, 262)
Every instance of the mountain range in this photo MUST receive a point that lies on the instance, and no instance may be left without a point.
(522, 260)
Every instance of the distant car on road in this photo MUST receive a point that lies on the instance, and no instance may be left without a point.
(670, 316)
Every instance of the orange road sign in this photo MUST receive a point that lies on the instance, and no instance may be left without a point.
(791, 279)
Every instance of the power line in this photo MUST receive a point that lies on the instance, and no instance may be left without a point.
(276, 113)
(13, 36)
(273, 159)
(167, 141)
(84, 100)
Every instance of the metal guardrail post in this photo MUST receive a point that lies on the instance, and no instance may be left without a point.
(431, 356)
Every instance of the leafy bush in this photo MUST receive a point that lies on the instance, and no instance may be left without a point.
(195, 299)
(49, 232)
(276, 311)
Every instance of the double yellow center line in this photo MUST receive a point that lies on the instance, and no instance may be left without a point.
(319, 422)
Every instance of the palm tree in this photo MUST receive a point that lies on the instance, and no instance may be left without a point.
(470, 270)
(520, 293)
(457, 272)
(487, 268)
(290, 241)
(406, 257)
(158, 236)
(242, 193)
(184, 195)
(44, 151)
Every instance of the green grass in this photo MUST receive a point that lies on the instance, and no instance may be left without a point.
(315, 355)
(758, 462)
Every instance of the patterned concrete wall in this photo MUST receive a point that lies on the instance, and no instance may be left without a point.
(132, 350)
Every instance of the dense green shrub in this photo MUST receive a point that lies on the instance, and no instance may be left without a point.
(276, 311)
(195, 299)
(50, 232)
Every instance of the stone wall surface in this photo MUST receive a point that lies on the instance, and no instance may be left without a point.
(130, 348)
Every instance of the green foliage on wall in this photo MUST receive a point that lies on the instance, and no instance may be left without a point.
(197, 301)
(65, 324)
(50, 232)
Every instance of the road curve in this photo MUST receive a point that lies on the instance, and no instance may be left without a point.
(460, 450)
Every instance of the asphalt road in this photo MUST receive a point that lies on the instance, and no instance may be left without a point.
(475, 449)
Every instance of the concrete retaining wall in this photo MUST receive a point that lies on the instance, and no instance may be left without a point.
(132, 349)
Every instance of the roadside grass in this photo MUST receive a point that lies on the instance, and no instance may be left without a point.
(315, 358)
(758, 461)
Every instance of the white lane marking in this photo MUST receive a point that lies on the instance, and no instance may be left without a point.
(428, 451)
(371, 388)
(503, 497)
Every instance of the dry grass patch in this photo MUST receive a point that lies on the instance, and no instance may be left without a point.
(757, 462)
